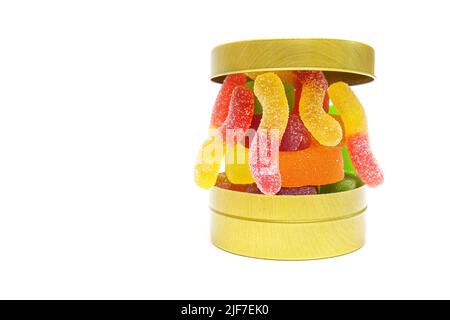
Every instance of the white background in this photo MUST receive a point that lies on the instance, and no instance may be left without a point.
(103, 105)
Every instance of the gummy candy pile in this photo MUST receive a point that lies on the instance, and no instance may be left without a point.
(279, 135)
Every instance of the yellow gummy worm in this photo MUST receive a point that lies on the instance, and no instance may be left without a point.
(236, 165)
(208, 163)
(270, 92)
(349, 107)
(323, 127)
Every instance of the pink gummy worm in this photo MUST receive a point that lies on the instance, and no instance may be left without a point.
(363, 160)
(263, 161)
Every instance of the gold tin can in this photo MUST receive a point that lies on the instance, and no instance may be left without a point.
(288, 227)
(291, 227)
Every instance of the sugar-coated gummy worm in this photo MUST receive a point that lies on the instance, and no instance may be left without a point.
(349, 108)
(222, 104)
(208, 163)
(270, 92)
(324, 128)
(263, 160)
(235, 125)
(289, 90)
(363, 160)
(239, 116)
(236, 165)
(355, 123)
(263, 154)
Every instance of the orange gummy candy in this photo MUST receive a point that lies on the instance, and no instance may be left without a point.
(314, 166)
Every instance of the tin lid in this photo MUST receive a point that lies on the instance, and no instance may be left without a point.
(340, 60)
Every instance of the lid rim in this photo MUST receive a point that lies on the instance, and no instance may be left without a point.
(342, 60)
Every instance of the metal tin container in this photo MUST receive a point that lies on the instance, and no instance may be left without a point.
(291, 227)
(288, 227)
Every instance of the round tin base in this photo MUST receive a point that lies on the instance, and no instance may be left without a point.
(287, 241)
(308, 231)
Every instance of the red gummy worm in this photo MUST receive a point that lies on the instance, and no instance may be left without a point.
(222, 104)
(239, 116)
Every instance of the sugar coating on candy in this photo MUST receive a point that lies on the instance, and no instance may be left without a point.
(300, 191)
(239, 116)
(232, 130)
(296, 136)
(363, 160)
(263, 161)
(270, 92)
(316, 165)
(208, 163)
(324, 128)
(247, 140)
(221, 106)
(298, 93)
(355, 122)
(263, 154)
(349, 108)
(289, 90)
